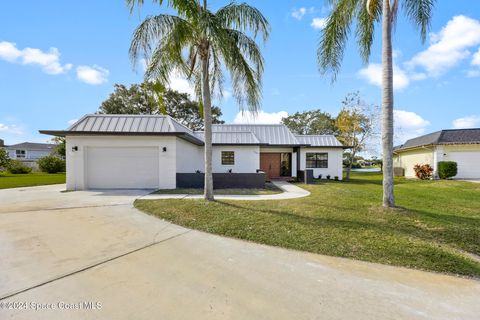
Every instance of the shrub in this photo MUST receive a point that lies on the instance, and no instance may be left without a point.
(51, 164)
(4, 159)
(328, 177)
(336, 178)
(356, 166)
(447, 169)
(17, 167)
(423, 171)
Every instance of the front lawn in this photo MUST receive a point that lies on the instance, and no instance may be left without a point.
(435, 221)
(8, 180)
(270, 188)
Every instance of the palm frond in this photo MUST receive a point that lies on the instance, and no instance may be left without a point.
(420, 13)
(335, 35)
(153, 31)
(369, 12)
(244, 18)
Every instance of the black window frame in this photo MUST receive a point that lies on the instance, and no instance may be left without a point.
(319, 161)
(228, 160)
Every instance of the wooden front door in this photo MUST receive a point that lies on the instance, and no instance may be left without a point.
(270, 164)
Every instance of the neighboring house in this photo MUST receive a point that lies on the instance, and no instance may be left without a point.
(459, 145)
(139, 151)
(28, 152)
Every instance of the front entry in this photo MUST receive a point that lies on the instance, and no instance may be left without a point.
(276, 164)
(270, 164)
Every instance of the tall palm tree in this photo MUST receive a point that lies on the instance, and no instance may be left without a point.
(197, 43)
(332, 44)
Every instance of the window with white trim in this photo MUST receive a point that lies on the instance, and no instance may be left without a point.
(20, 153)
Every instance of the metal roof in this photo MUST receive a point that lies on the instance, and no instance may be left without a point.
(272, 134)
(242, 134)
(122, 124)
(128, 123)
(240, 138)
(449, 136)
(319, 140)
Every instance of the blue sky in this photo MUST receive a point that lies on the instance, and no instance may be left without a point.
(60, 59)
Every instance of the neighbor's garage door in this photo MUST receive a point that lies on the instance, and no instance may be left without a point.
(468, 164)
(122, 168)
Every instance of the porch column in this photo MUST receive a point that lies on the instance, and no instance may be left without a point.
(294, 164)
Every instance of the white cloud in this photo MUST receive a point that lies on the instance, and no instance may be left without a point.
(467, 122)
(13, 129)
(181, 84)
(449, 46)
(92, 75)
(318, 23)
(261, 117)
(408, 125)
(299, 13)
(476, 58)
(9, 51)
(373, 74)
(49, 61)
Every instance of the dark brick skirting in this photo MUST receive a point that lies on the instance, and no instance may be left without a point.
(222, 180)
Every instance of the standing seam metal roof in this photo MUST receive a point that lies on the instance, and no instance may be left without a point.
(129, 124)
(319, 140)
(266, 134)
(257, 134)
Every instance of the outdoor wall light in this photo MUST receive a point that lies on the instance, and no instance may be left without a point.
(75, 148)
(164, 149)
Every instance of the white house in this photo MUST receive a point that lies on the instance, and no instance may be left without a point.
(28, 152)
(459, 145)
(156, 151)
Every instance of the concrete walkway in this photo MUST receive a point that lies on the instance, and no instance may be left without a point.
(290, 191)
(91, 255)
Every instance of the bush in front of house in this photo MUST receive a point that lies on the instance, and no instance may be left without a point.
(423, 171)
(17, 167)
(447, 169)
(51, 164)
(4, 159)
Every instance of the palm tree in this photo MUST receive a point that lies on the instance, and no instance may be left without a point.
(197, 43)
(332, 44)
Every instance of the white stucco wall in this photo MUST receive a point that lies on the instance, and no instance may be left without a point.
(190, 157)
(247, 159)
(467, 157)
(335, 165)
(76, 160)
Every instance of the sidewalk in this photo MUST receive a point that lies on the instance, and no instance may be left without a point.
(290, 191)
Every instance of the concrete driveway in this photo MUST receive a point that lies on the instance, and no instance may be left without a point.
(91, 255)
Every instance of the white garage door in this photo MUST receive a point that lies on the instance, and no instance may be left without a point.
(122, 168)
(468, 164)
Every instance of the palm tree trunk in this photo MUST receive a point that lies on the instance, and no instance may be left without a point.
(387, 106)
(207, 118)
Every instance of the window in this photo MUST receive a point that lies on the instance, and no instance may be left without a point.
(317, 160)
(20, 153)
(228, 158)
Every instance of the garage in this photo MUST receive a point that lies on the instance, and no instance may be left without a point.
(468, 164)
(122, 167)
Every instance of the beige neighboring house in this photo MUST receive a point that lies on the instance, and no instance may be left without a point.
(459, 145)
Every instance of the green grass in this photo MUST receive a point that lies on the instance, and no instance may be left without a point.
(8, 180)
(434, 222)
(269, 189)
